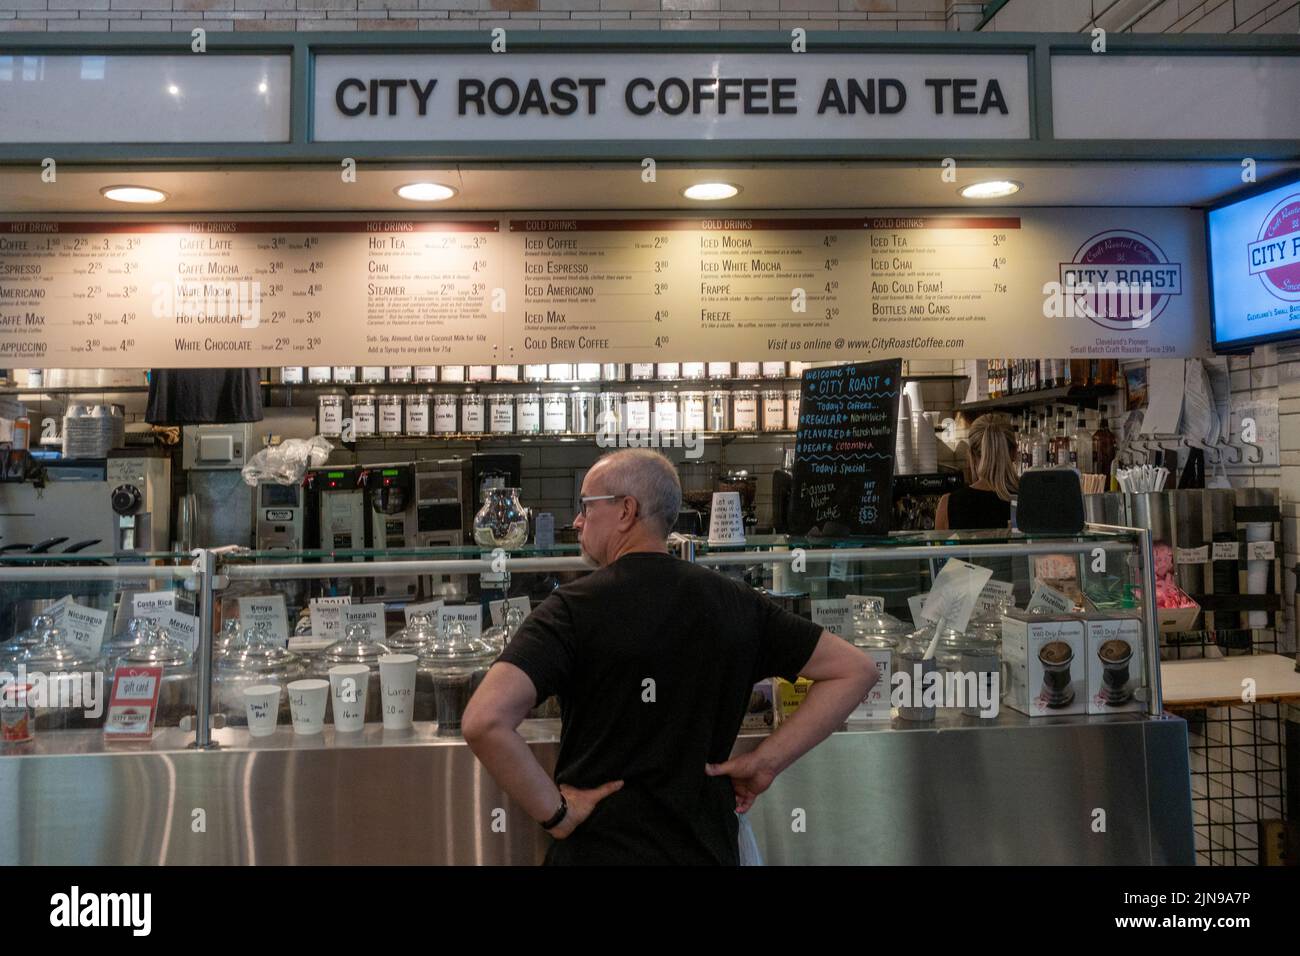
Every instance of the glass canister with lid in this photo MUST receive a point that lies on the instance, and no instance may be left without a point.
(253, 657)
(318, 374)
(291, 375)
(555, 413)
(420, 632)
(744, 410)
(773, 410)
(693, 412)
(426, 373)
(641, 372)
(666, 412)
(501, 413)
(792, 408)
(471, 414)
(329, 420)
(374, 374)
(417, 413)
(613, 372)
(444, 414)
(65, 665)
(455, 664)
(609, 412)
(876, 629)
(390, 414)
(401, 373)
(356, 647)
(176, 693)
(636, 411)
(363, 416)
(345, 374)
(528, 413)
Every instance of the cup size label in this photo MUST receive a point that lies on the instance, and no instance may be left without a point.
(1259, 550)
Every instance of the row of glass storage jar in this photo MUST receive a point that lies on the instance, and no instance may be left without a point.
(559, 413)
(582, 372)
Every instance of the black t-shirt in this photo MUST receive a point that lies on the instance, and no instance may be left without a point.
(704, 640)
(972, 508)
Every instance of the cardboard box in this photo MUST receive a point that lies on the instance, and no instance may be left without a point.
(761, 713)
(790, 696)
(1047, 670)
(1114, 644)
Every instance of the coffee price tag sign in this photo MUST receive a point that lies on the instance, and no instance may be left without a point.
(58, 609)
(153, 604)
(1259, 550)
(183, 628)
(85, 627)
(430, 608)
(266, 609)
(953, 595)
(994, 593)
(1227, 550)
(498, 609)
(1050, 600)
(833, 614)
(134, 705)
(327, 617)
(369, 616)
(469, 615)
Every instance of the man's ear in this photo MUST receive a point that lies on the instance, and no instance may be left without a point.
(628, 517)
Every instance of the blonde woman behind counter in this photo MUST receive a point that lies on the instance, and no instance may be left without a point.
(986, 503)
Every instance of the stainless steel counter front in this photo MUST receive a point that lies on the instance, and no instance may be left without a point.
(1020, 792)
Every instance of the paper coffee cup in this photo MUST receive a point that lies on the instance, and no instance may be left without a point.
(262, 703)
(397, 687)
(726, 522)
(348, 684)
(307, 705)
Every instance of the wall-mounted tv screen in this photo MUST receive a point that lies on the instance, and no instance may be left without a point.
(1254, 262)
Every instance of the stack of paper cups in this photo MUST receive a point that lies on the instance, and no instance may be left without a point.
(726, 523)
(903, 444)
(913, 392)
(1257, 572)
(925, 447)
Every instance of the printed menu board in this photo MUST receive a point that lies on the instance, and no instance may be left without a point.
(250, 293)
(844, 449)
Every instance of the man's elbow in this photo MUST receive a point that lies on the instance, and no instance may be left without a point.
(867, 673)
(477, 724)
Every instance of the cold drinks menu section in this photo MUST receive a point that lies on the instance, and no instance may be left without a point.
(246, 293)
(718, 289)
(230, 294)
(844, 449)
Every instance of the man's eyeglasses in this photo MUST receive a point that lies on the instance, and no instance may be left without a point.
(588, 499)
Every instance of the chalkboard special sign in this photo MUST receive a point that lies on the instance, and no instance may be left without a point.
(844, 450)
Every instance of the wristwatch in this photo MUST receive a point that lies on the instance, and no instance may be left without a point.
(560, 814)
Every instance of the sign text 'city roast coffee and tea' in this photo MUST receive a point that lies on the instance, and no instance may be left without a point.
(648, 96)
(254, 292)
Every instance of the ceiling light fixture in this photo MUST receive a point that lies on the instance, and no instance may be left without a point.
(425, 192)
(991, 189)
(137, 194)
(710, 192)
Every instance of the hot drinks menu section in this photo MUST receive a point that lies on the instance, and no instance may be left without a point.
(844, 449)
(718, 289)
(245, 293)
(231, 294)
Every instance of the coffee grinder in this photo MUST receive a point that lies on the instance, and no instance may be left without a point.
(390, 494)
(141, 486)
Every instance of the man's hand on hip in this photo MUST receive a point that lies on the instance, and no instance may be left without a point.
(581, 804)
(750, 775)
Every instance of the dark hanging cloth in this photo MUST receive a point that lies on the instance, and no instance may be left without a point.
(210, 396)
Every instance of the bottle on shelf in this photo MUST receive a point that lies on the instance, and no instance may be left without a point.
(1081, 446)
(1103, 447)
(1026, 449)
(1063, 373)
(1039, 453)
(1060, 444)
(1079, 373)
(1047, 373)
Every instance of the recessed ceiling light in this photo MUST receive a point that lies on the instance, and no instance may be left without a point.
(710, 192)
(140, 194)
(174, 90)
(425, 192)
(992, 189)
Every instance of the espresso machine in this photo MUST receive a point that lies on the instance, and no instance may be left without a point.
(443, 515)
(141, 483)
(391, 500)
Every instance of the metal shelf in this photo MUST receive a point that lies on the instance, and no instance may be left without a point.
(1071, 395)
(378, 440)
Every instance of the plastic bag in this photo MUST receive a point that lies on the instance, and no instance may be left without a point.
(749, 855)
(287, 462)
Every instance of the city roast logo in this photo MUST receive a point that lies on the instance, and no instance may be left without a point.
(1275, 255)
(1121, 279)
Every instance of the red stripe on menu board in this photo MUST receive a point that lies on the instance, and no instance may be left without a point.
(226, 227)
(742, 224)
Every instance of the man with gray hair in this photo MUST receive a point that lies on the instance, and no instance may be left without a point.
(653, 659)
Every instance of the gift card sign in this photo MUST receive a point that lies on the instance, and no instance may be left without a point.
(430, 608)
(956, 589)
(182, 627)
(154, 604)
(134, 705)
(85, 627)
(498, 609)
(471, 615)
(369, 616)
(266, 609)
(327, 617)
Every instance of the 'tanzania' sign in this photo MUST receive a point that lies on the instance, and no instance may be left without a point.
(606, 96)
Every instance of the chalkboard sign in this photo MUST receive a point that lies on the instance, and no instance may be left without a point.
(844, 449)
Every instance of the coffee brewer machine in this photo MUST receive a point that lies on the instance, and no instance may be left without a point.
(141, 500)
(339, 508)
(390, 495)
(443, 514)
(281, 517)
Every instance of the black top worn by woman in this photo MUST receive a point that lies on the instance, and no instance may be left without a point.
(970, 508)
